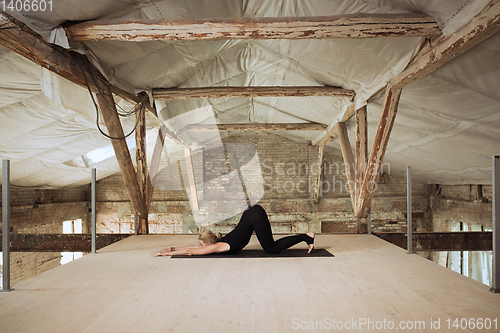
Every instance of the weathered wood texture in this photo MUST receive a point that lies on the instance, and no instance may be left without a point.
(122, 152)
(61, 242)
(442, 241)
(332, 132)
(217, 92)
(377, 153)
(142, 169)
(257, 127)
(445, 49)
(340, 26)
(319, 174)
(345, 146)
(361, 150)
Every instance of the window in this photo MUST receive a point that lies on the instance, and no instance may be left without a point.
(71, 227)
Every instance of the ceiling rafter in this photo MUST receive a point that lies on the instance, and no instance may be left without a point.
(340, 26)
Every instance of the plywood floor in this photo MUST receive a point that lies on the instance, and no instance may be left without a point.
(124, 289)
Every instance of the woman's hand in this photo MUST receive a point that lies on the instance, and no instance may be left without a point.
(164, 252)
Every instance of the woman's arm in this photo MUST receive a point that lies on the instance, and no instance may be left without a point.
(213, 248)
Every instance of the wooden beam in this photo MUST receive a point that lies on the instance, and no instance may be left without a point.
(122, 152)
(142, 169)
(377, 153)
(191, 179)
(60, 242)
(246, 92)
(256, 127)
(345, 146)
(340, 26)
(361, 150)
(319, 175)
(442, 241)
(445, 49)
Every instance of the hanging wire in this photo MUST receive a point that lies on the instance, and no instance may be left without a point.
(138, 108)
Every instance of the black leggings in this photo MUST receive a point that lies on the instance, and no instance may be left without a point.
(255, 219)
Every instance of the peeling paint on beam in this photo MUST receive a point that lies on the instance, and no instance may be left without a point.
(442, 241)
(247, 92)
(61, 242)
(257, 127)
(340, 26)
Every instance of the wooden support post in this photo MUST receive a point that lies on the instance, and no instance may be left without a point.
(122, 152)
(192, 183)
(377, 153)
(345, 146)
(409, 216)
(93, 207)
(495, 223)
(6, 225)
(142, 169)
(318, 188)
(361, 151)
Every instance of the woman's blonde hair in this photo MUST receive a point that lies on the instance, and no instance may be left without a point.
(209, 237)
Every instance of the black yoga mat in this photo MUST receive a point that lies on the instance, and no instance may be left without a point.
(290, 253)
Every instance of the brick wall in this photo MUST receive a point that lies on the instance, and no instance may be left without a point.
(459, 203)
(35, 211)
(287, 171)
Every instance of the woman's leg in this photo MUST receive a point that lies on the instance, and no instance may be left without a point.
(256, 217)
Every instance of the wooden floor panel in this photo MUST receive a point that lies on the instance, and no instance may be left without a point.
(124, 289)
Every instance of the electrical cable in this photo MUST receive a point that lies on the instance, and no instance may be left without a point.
(141, 106)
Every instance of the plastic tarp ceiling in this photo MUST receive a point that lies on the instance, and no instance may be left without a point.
(446, 128)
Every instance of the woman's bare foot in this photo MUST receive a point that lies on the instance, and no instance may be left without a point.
(310, 246)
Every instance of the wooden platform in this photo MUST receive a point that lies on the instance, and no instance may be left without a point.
(124, 289)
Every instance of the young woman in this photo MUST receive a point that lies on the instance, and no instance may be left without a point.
(253, 219)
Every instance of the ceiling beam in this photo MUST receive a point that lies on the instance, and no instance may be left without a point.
(340, 26)
(246, 92)
(256, 127)
(445, 49)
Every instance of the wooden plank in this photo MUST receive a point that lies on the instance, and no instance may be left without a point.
(319, 174)
(246, 92)
(191, 179)
(442, 241)
(142, 169)
(361, 150)
(339, 26)
(61, 242)
(256, 127)
(384, 128)
(445, 49)
(122, 153)
(345, 146)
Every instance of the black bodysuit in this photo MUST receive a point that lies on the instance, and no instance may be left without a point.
(255, 219)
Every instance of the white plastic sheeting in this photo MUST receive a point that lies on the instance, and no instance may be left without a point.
(446, 127)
